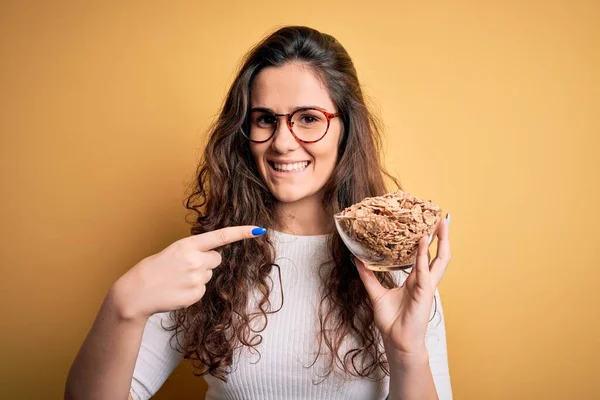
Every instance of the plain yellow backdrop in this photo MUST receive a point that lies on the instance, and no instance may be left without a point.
(490, 108)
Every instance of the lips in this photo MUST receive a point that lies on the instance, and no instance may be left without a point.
(289, 166)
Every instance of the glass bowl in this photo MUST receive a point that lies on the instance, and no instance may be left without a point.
(384, 242)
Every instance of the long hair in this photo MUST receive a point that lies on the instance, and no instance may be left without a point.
(228, 191)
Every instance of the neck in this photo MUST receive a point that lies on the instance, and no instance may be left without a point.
(305, 217)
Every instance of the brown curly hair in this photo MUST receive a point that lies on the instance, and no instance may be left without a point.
(228, 191)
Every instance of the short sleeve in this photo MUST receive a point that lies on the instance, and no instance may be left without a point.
(156, 358)
(435, 341)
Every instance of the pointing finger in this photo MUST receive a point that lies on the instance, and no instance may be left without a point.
(221, 237)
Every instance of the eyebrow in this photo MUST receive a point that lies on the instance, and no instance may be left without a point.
(293, 110)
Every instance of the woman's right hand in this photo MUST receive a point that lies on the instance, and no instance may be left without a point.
(177, 276)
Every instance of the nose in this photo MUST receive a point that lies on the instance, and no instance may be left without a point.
(283, 139)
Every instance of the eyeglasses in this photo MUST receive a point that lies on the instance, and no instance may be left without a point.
(308, 125)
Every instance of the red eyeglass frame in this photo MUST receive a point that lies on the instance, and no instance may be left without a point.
(328, 115)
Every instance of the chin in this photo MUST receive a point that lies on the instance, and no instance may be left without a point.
(289, 197)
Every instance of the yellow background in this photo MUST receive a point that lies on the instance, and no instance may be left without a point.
(491, 110)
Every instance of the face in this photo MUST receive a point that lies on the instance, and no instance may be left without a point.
(293, 170)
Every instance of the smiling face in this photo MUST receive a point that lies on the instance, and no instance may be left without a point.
(292, 170)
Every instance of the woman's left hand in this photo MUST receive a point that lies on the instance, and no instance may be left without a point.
(402, 314)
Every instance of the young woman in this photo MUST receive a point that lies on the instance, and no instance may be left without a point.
(284, 312)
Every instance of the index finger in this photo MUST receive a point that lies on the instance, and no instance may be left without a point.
(220, 237)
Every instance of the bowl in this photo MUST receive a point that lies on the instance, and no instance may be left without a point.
(384, 242)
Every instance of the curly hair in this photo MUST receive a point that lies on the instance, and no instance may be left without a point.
(228, 191)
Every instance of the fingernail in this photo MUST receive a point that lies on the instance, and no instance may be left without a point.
(259, 231)
(448, 219)
(430, 238)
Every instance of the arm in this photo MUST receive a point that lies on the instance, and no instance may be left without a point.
(116, 359)
(104, 366)
(402, 316)
(410, 376)
(431, 365)
(172, 279)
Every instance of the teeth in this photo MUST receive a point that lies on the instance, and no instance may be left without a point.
(291, 167)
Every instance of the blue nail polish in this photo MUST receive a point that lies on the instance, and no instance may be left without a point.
(259, 231)
(448, 219)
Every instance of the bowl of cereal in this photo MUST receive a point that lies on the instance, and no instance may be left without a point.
(384, 232)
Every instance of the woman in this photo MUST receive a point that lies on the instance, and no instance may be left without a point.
(289, 313)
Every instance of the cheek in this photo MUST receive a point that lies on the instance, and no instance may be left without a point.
(257, 153)
(327, 153)
(325, 161)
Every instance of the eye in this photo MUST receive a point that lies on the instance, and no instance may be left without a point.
(266, 119)
(263, 119)
(308, 119)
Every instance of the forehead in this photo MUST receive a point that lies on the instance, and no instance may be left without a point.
(292, 85)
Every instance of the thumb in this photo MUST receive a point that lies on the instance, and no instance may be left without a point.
(374, 288)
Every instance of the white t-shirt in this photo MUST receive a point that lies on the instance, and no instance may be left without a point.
(289, 342)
